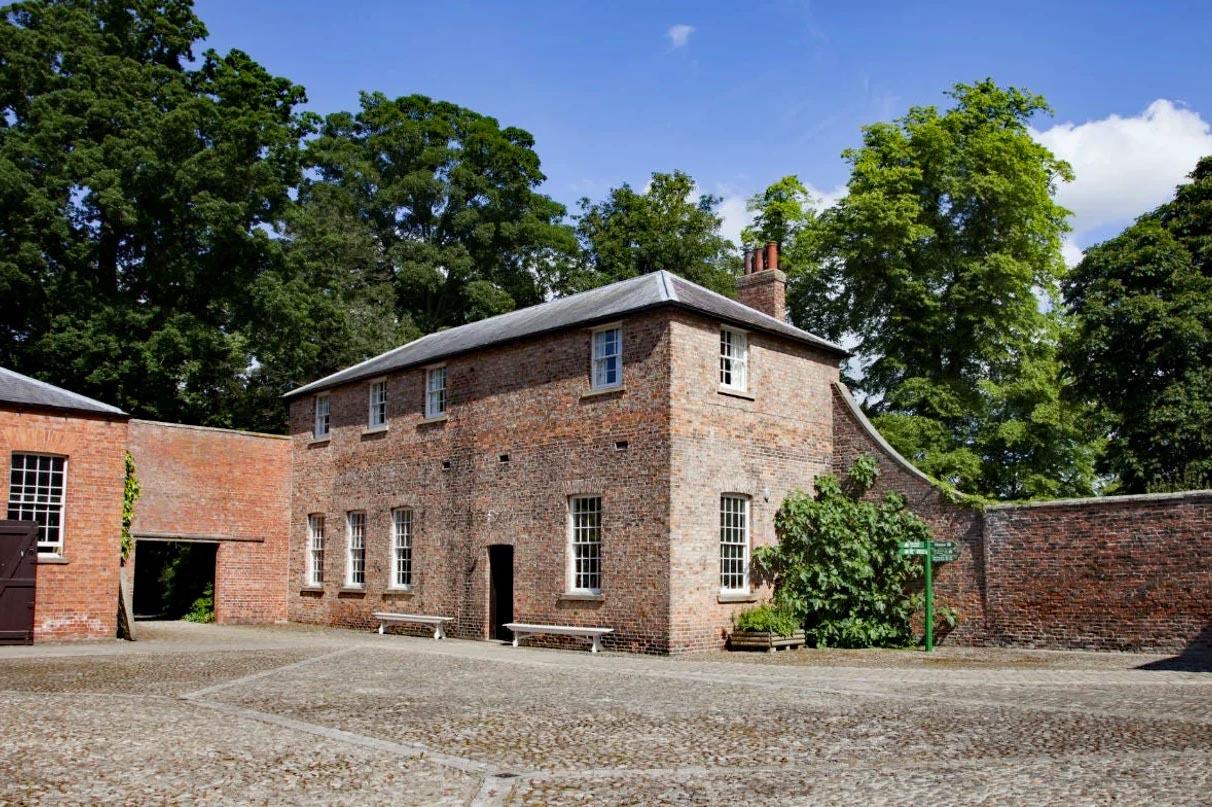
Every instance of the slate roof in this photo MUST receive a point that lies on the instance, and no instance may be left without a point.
(21, 389)
(596, 305)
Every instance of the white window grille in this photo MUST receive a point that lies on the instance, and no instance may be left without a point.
(435, 392)
(356, 568)
(401, 521)
(378, 404)
(734, 359)
(607, 358)
(323, 407)
(315, 549)
(734, 543)
(585, 539)
(36, 492)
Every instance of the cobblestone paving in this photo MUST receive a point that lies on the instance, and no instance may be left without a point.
(288, 715)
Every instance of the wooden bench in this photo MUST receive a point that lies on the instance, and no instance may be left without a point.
(522, 629)
(438, 623)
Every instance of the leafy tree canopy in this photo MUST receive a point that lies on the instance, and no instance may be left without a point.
(666, 227)
(934, 265)
(1141, 348)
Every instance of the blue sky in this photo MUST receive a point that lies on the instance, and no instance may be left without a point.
(741, 94)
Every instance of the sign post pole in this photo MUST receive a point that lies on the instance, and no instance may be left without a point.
(929, 596)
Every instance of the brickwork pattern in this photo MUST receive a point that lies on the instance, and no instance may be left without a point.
(228, 486)
(530, 401)
(78, 598)
(763, 445)
(1119, 573)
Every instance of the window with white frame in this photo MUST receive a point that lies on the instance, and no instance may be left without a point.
(435, 392)
(36, 492)
(355, 568)
(734, 359)
(607, 357)
(585, 544)
(401, 535)
(378, 404)
(734, 543)
(323, 407)
(315, 549)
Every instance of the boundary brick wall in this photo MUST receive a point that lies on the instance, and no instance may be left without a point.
(1115, 573)
(76, 596)
(1112, 573)
(223, 486)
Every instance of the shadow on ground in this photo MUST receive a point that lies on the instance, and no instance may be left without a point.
(1196, 658)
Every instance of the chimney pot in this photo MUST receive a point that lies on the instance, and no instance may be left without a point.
(749, 261)
(759, 260)
(772, 255)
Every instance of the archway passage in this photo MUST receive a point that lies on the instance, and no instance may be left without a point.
(174, 580)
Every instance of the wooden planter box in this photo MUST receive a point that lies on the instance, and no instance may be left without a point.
(762, 640)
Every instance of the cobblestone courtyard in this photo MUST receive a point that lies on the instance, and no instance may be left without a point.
(223, 715)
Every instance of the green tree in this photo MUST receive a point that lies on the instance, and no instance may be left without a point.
(782, 213)
(666, 227)
(137, 189)
(934, 265)
(1141, 349)
(435, 202)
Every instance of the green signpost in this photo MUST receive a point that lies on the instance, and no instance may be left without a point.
(934, 552)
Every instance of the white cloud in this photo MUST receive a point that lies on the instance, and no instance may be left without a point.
(1070, 251)
(679, 34)
(1125, 166)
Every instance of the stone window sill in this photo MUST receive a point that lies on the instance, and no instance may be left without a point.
(736, 596)
(736, 393)
(319, 441)
(582, 596)
(399, 591)
(442, 418)
(370, 430)
(353, 591)
(52, 560)
(311, 589)
(597, 393)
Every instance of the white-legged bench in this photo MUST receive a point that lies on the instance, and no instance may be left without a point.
(521, 629)
(438, 623)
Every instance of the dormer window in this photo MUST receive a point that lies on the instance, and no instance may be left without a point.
(607, 357)
(734, 359)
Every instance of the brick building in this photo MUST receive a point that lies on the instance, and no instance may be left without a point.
(65, 455)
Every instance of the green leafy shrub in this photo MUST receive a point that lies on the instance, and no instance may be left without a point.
(767, 619)
(203, 609)
(837, 568)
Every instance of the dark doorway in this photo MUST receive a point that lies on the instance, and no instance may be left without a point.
(18, 556)
(500, 591)
(175, 580)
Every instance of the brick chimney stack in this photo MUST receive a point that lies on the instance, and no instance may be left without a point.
(764, 286)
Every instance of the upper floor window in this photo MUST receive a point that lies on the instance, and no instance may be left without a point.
(36, 492)
(607, 357)
(401, 529)
(355, 569)
(585, 544)
(378, 403)
(734, 543)
(315, 549)
(734, 359)
(435, 392)
(321, 424)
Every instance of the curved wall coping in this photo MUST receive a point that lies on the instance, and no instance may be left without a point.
(1137, 498)
(857, 412)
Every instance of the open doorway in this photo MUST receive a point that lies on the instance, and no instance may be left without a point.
(175, 580)
(500, 591)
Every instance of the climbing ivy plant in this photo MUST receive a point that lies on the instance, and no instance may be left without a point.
(130, 495)
(836, 566)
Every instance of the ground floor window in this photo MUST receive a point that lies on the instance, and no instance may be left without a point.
(37, 484)
(356, 567)
(315, 549)
(401, 527)
(585, 543)
(734, 543)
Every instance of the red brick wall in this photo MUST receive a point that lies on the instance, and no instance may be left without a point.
(78, 598)
(527, 400)
(220, 485)
(959, 584)
(1118, 573)
(762, 445)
